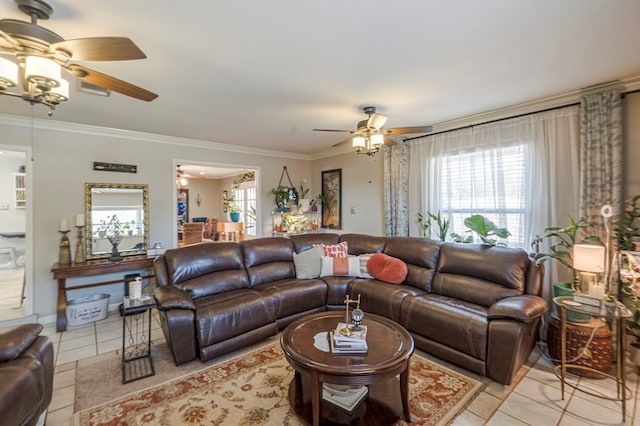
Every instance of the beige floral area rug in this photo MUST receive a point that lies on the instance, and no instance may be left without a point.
(252, 389)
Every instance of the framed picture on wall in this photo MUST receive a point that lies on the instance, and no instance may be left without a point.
(225, 207)
(332, 192)
(224, 194)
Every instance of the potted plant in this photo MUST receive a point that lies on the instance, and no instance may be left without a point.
(284, 194)
(561, 242)
(233, 208)
(425, 222)
(482, 226)
(628, 227)
(303, 202)
(319, 200)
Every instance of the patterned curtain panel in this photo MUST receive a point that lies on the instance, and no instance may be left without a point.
(396, 190)
(600, 157)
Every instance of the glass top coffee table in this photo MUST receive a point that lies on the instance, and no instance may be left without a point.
(390, 348)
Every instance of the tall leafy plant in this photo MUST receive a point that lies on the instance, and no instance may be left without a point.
(486, 229)
(426, 224)
(561, 241)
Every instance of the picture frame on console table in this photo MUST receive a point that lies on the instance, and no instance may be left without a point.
(332, 193)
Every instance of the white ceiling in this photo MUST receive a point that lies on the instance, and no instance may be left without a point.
(265, 73)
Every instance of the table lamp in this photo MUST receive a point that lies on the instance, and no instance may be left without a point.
(589, 259)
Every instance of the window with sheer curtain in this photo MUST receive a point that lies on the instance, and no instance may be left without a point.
(246, 198)
(490, 182)
(521, 173)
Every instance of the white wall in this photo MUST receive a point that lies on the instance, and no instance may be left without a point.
(210, 199)
(63, 157)
(362, 190)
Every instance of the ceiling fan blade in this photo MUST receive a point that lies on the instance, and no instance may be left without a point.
(346, 141)
(100, 49)
(376, 121)
(407, 130)
(333, 130)
(111, 83)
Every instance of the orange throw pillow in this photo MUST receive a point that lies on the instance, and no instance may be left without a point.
(386, 268)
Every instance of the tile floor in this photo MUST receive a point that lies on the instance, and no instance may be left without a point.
(533, 398)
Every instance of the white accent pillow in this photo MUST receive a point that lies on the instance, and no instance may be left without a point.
(364, 259)
(340, 266)
(307, 263)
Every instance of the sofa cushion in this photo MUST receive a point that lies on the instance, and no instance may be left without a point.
(448, 321)
(268, 259)
(308, 263)
(293, 296)
(340, 266)
(302, 242)
(364, 262)
(206, 269)
(387, 268)
(463, 273)
(361, 243)
(335, 250)
(420, 255)
(381, 298)
(230, 314)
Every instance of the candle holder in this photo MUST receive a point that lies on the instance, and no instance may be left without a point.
(80, 246)
(65, 249)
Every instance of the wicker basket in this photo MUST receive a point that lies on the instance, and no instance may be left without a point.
(84, 310)
(599, 353)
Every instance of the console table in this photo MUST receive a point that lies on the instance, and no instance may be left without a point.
(90, 269)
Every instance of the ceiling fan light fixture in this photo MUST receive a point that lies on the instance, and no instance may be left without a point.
(60, 93)
(8, 73)
(377, 141)
(44, 72)
(358, 143)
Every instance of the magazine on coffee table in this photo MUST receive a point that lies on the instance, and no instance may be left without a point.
(345, 397)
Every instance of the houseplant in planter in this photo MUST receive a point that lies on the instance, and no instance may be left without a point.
(283, 195)
(234, 209)
(317, 201)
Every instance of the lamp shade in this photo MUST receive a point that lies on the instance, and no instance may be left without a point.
(358, 142)
(377, 141)
(60, 93)
(40, 69)
(8, 73)
(588, 258)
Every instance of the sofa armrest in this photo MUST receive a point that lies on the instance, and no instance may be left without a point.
(16, 340)
(525, 308)
(170, 297)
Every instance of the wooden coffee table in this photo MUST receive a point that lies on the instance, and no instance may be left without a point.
(390, 350)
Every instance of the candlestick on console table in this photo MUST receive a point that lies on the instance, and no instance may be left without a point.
(65, 250)
(79, 245)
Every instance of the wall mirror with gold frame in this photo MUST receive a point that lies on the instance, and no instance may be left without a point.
(129, 203)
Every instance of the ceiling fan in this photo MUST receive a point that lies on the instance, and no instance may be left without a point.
(41, 53)
(370, 135)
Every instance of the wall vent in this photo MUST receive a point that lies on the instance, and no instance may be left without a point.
(93, 89)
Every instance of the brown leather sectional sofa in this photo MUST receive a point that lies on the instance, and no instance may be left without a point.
(476, 306)
(26, 374)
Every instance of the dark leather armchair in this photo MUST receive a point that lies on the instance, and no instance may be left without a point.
(26, 374)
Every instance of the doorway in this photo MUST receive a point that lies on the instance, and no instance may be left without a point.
(15, 201)
(206, 191)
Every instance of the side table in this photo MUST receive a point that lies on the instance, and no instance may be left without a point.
(566, 303)
(136, 338)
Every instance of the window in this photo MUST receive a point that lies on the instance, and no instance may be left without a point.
(490, 182)
(246, 198)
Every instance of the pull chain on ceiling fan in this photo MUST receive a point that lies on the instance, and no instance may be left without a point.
(370, 135)
(40, 55)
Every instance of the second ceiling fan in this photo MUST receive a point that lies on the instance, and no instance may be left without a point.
(370, 135)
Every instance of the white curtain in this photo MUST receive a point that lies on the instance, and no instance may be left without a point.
(550, 143)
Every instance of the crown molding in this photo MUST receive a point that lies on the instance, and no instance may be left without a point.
(129, 135)
(625, 85)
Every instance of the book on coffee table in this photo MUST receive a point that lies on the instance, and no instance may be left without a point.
(340, 346)
(345, 397)
(345, 333)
